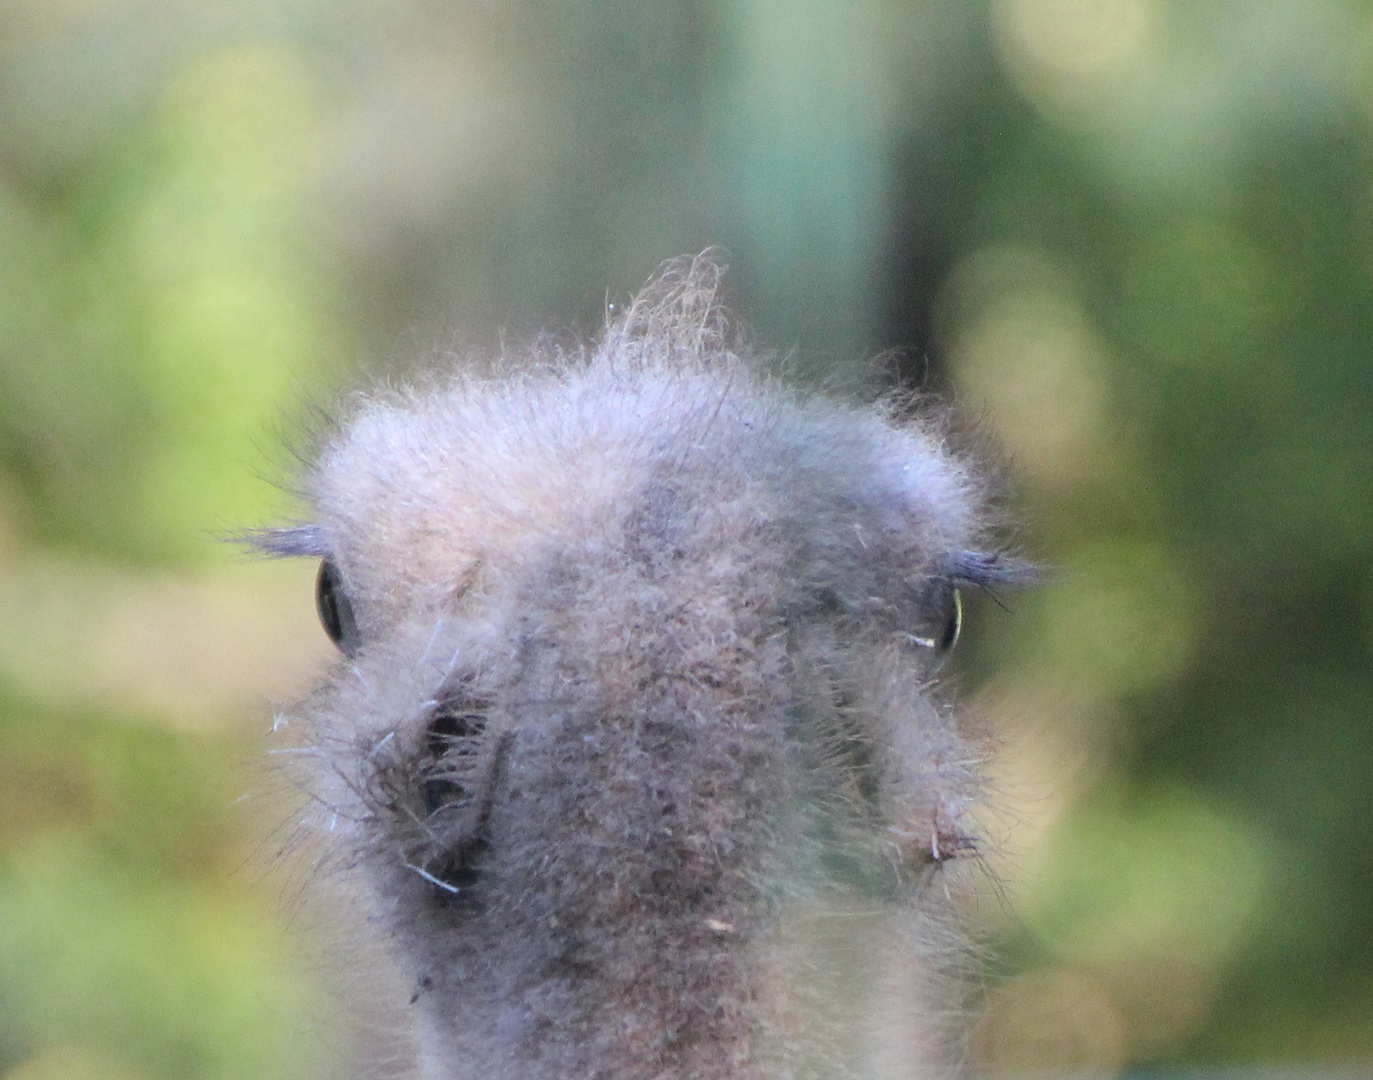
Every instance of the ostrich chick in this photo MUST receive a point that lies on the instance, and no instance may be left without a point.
(635, 750)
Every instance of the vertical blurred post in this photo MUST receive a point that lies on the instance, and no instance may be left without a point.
(801, 134)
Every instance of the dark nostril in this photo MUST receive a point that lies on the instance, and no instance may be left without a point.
(456, 724)
(440, 793)
(453, 722)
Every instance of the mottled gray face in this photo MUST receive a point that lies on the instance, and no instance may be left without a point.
(636, 747)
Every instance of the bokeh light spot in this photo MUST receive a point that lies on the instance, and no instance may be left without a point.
(1025, 349)
(1065, 52)
(1051, 1022)
(1153, 896)
(70, 1062)
(1123, 616)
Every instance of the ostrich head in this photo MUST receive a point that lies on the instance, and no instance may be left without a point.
(636, 748)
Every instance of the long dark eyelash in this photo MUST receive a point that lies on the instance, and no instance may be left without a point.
(981, 569)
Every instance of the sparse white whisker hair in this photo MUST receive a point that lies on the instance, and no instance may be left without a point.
(638, 759)
(445, 886)
(438, 627)
(381, 744)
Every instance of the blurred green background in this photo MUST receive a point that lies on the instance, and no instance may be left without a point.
(1135, 236)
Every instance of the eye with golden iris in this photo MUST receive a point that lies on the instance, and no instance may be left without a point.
(335, 611)
(940, 633)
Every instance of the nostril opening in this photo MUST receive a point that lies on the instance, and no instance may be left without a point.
(455, 721)
(450, 740)
(441, 793)
(461, 870)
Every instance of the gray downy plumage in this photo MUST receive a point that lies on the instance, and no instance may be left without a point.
(636, 755)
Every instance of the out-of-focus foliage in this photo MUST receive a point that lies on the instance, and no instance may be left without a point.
(1135, 235)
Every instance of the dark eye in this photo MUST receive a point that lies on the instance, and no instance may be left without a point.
(952, 622)
(335, 612)
(940, 634)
